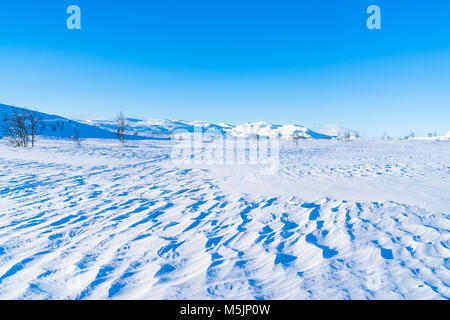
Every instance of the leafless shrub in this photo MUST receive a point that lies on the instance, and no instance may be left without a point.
(347, 135)
(35, 125)
(296, 138)
(121, 123)
(386, 137)
(410, 136)
(21, 127)
(76, 137)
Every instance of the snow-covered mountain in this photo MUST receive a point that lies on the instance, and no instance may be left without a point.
(154, 127)
(264, 129)
(159, 127)
(59, 127)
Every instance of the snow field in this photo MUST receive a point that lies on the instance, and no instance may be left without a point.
(336, 220)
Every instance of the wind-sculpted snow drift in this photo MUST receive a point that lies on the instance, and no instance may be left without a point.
(335, 220)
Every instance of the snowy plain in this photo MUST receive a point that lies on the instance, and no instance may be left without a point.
(364, 219)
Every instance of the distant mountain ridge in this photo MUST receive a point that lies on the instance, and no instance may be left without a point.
(264, 129)
(158, 127)
(155, 127)
(60, 127)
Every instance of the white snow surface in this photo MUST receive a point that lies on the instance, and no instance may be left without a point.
(336, 220)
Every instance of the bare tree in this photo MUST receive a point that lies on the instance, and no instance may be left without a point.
(35, 125)
(347, 135)
(21, 127)
(121, 123)
(386, 137)
(76, 137)
(14, 128)
(296, 137)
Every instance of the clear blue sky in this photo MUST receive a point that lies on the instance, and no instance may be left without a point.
(306, 62)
